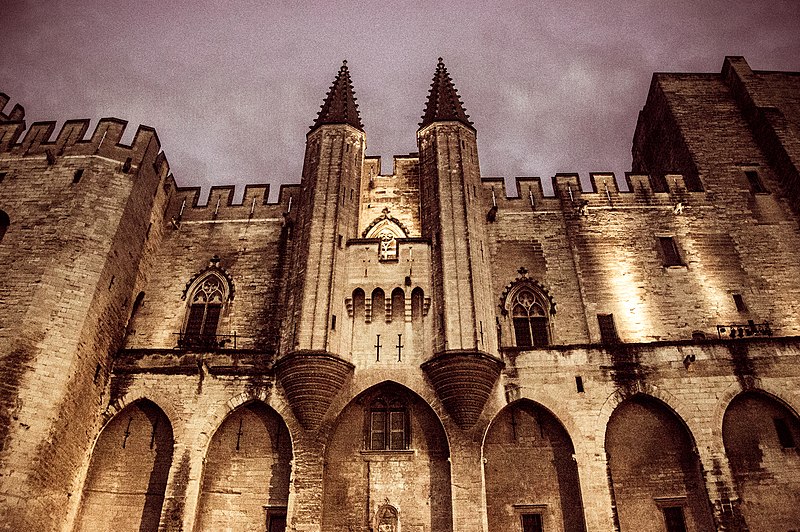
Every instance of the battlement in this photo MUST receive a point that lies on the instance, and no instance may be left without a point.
(105, 141)
(604, 191)
(220, 204)
(16, 114)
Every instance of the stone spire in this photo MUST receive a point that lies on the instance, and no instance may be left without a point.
(443, 102)
(340, 105)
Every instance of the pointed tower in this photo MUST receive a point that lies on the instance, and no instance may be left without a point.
(465, 366)
(326, 217)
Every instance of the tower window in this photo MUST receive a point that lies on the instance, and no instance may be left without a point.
(674, 519)
(388, 426)
(531, 327)
(76, 177)
(756, 185)
(669, 251)
(532, 523)
(608, 331)
(5, 221)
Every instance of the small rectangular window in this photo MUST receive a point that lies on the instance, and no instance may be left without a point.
(532, 523)
(756, 185)
(608, 331)
(333, 322)
(670, 251)
(579, 383)
(673, 518)
(740, 305)
(784, 434)
(76, 177)
(2, 176)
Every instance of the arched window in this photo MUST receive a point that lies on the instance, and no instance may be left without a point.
(388, 425)
(398, 304)
(205, 307)
(386, 519)
(531, 326)
(358, 303)
(378, 304)
(5, 221)
(417, 302)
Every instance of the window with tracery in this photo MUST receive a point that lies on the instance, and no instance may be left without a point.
(531, 324)
(388, 425)
(205, 308)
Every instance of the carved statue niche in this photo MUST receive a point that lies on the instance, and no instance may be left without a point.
(387, 229)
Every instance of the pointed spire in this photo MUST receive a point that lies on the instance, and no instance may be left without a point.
(340, 105)
(443, 101)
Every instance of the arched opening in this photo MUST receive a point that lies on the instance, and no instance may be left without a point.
(137, 304)
(358, 304)
(124, 488)
(531, 475)
(5, 222)
(205, 308)
(655, 474)
(417, 300)
(398, 304)
(246, 473)
(761, 435)
(399, 460)
(378, 304)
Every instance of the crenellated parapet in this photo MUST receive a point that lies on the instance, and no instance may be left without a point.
(105, 141)
(16, 114)
(567, 194)
(221, 204)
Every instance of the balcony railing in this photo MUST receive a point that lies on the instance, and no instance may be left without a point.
(205, 341)
(742, 330)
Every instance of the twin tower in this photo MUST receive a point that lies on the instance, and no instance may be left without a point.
(404, 257)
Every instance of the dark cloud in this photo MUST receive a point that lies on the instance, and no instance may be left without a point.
(232, 86)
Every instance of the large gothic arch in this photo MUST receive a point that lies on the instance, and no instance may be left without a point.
(384, 442)
(127, 478)
(530, 471)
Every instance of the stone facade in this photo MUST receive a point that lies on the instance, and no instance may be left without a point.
(417, 351)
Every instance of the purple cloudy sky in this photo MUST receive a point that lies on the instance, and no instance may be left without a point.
(232, 86)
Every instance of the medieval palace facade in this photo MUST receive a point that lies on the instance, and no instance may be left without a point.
(412, 351)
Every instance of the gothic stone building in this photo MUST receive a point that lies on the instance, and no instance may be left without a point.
(415, 351)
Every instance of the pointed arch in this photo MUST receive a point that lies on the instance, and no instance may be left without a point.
(247, 468)
(761, 435)
(206, 295)
(655, 473)
(128, 472)
(529, 465)
(527, 308)
(385, 224)
(411, 449)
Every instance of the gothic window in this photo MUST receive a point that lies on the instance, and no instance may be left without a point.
(205, 307)
(388, 425)
(531, 328)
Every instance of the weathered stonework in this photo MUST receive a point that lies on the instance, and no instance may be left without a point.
(417, 351)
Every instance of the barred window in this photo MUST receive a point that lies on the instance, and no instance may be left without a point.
(204, 311)
(388, 425)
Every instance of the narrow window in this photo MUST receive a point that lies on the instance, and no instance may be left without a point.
(340, 241)
(532, 523)
(358, 303)
(608, 331)
(670, 251)
(333, 322)
(2, 176)
(5, 221)
(756, 185)
(740, 304)
(378, 303)
(417, 301)
(579, 383)
(784, 434)
(276, 521)
(673, 518)
(398, 304)
(76, 177)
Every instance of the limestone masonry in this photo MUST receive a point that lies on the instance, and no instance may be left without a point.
(415, 351)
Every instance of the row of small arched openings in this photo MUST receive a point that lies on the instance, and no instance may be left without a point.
(398, 306)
